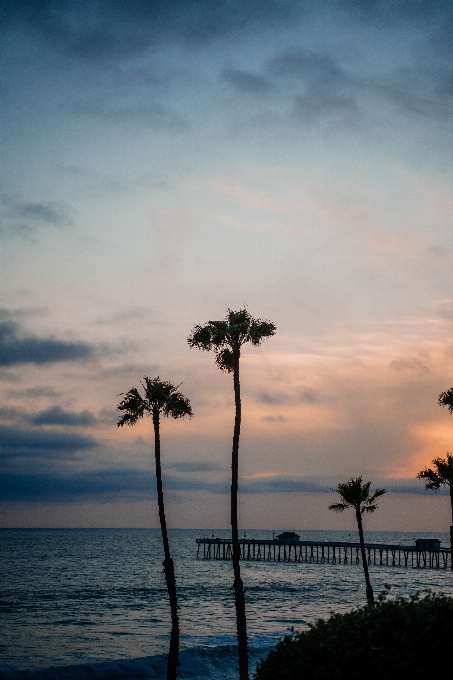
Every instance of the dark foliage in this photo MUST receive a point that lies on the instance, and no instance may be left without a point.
(401, 638)
(226, 337)
(446, 399)
(356, 495)
(160, 397)
(441, 473)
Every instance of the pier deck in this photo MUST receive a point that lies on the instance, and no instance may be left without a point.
(328, 552)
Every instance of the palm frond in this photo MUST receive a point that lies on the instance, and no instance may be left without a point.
(177, 406)
(377, 494)
(133, 406)
(201, 337)
(259, 330)
(339, 507)
(441, 473)
(225, 360)
(446, 399)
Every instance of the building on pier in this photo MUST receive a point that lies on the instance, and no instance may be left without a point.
(288, 537)
(427, 544)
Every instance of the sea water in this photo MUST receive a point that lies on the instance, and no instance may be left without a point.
(79, 604)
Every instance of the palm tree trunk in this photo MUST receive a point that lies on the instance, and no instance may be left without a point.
(168, 564)
(451, 527)
(239, 594)
(369, 589)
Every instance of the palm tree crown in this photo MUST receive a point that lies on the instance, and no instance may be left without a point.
(441, 474)
(160, 397)
(227, 336)
(446, 399)
(356, 495)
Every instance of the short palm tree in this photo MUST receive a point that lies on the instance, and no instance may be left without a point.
(441, 473)
(226, 338)
(160, 398)
(356, 495)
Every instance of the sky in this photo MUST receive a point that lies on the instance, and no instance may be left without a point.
(164, 161)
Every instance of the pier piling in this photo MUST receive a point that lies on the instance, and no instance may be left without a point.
(326, 552)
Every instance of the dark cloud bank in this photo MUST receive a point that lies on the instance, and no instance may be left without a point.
(58, 416)
(40, 443)
(136, 485)
(18, 347)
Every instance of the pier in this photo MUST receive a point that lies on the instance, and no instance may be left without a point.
(422, 556)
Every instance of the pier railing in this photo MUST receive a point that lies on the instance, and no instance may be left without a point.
(329, 552)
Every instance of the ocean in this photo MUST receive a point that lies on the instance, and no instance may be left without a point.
(91, 604)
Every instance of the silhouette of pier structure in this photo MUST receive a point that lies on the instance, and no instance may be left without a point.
(288, 547)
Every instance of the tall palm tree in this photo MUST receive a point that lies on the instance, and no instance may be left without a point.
(159, 398)
(441, 473)
(356, 495)
(226, 338)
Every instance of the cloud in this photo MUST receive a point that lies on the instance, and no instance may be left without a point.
(395, 12)
(246, 82)
(100, 485)
(409, 365)
(34, 392)
(321, 86)
(194, 466)
(273, 397)
(134, 484)
(121, 30)
(152, 114)
(281, 484)
(446, 309)
(19, 348)
(135, 314)
(421, 90)
(34, 443)
(412, 486)
(21, 218)
(57, 416)
(131, 484)
(304, 395)
(308, 396)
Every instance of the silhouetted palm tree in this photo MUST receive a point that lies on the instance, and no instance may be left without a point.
(356, 495)
(159, 398)
(226, 338)
(437, 477)
(446, 399)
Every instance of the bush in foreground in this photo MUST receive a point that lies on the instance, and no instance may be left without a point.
(401, 638)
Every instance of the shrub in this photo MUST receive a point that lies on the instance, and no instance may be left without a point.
(400, 638)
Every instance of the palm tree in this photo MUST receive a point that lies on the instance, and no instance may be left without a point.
(356, 495)
(435, 478)
(446, 399)
(226, 338)
(160, 398)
